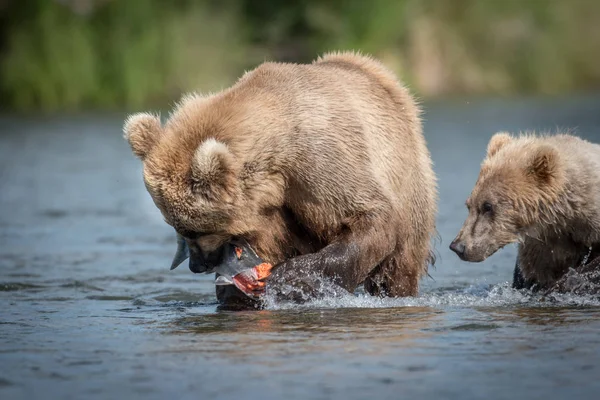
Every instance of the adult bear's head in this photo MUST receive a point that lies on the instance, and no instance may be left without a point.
(205, 181)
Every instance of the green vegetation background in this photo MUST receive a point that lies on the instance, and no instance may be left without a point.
(131, 54)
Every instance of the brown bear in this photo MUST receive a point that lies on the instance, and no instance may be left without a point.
(542, 192)
(322, 168)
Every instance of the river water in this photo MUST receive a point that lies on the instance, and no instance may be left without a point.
(89, 308)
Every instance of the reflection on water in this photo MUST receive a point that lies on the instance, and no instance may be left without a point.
(550, 317)
(89, 308)
(269, 334)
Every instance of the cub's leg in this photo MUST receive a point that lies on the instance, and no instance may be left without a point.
(519, 282)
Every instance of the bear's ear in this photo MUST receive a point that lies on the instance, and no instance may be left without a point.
(543, 165)
(498, 141)
(213, 171)
(142, 131)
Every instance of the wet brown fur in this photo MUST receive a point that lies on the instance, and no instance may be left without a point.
(545, 191)
(299, 159)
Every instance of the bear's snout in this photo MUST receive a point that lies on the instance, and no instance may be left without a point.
(459, 248)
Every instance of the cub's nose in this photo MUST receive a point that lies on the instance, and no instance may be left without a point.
(458, 248)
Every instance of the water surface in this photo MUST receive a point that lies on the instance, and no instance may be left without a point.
(89, 308)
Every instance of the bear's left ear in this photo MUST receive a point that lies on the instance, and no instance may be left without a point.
(544, 165)
(142, 131)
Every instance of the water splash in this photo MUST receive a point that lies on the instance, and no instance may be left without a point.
(499, 295)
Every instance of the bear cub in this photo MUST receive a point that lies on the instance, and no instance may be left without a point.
(542, 192)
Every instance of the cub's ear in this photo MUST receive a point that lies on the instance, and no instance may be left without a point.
(214, 171)
(498, 141)
(544, 165)
(142, 131)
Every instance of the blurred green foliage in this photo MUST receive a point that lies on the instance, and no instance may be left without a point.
(90, 54)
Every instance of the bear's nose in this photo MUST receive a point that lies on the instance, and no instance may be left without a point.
(458, 248)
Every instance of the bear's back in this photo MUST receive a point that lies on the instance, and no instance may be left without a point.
(350, 105)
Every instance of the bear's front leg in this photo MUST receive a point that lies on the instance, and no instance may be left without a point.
(519, 282)
(346, 262)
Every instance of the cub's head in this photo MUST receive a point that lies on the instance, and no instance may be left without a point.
(518, 181)
(201, 188)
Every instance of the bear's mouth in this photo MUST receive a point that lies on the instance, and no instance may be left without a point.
(240, 266)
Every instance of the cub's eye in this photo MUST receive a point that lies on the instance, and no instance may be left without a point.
(487, 208)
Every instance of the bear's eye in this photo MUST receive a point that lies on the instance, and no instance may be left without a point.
(487, 208)
(190, 235)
